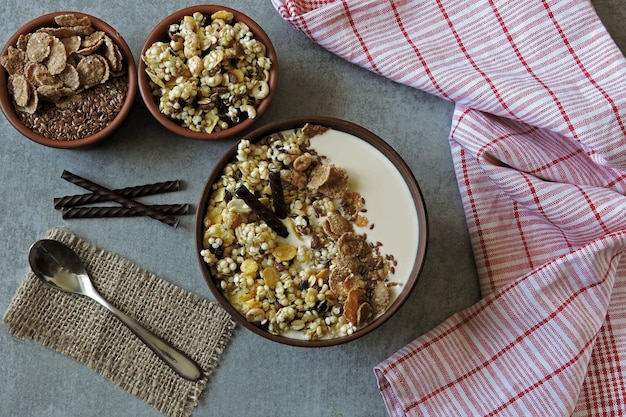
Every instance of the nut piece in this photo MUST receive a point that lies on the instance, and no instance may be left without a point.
(237, 205)
(255, 315)
(302, 162)
(261, 90)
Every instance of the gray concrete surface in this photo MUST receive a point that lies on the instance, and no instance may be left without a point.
(255, 377)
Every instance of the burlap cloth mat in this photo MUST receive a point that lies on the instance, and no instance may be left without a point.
(80, 328)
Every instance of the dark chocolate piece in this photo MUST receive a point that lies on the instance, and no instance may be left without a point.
(130, 192)
(263, 212)
(118, 198)
(116, 211)
(278, 197)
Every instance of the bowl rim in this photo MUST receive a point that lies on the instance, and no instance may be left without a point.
(6, 103)
(381, 146)
(160, 32)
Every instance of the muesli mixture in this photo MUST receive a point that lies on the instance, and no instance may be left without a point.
(323, 279)
(67, 81)
(211, 74)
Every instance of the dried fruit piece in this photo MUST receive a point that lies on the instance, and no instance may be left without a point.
(284, 252)
(271, 277)
(249, 266)
(223, 15)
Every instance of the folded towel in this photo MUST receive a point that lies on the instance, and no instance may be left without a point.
(538, 140)
(80, 328)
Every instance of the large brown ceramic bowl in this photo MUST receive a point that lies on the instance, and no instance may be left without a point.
(161, 34)
(77, 138)
(397, 223)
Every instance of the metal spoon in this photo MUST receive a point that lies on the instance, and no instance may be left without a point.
(58, 265)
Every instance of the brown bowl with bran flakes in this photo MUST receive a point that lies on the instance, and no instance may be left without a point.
(68, 80)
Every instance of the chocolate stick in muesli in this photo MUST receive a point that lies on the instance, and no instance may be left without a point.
(278, 198)
(130, 192)
(118, 198)
(263, 212)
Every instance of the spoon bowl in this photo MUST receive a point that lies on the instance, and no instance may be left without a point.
(58, 265)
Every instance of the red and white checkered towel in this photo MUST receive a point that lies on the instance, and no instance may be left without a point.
(539, 146)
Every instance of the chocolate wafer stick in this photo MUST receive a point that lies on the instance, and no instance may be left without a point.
(263, 212)
(93, 212)
(118, 198)
(130, 192)
(278, 197)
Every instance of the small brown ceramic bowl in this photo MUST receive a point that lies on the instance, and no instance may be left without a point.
(233, 125)
(277, 289)
(57, 127)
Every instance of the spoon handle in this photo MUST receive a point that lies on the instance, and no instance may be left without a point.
(177, 360)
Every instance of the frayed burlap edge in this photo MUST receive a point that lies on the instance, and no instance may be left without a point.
(79, 328)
